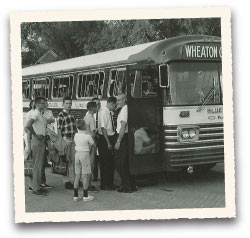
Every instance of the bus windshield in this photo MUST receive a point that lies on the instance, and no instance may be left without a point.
(194, 83)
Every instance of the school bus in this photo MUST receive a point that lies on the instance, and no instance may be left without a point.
(174, 96)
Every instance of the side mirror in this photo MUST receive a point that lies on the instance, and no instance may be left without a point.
(163, 76)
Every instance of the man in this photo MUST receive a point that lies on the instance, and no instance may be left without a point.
(97, 124)
(48, 115)
(67, 129)
(106, 144)
(91, 130)
(36, 125)
(121, 147)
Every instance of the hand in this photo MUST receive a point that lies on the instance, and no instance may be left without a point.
(117, 145)
(110, 147)
(29, 151)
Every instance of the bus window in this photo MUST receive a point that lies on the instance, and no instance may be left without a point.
(89, 85)
(41, 87)
(26, 89)
(146, 84)
(100, 84)
(117, 82)
(194, 83)
(81, 85)
(62, 86)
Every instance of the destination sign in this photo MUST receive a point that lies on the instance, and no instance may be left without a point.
(202, 51)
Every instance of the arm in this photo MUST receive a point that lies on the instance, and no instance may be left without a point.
(29, 128)
(105, 134)
(121, 135)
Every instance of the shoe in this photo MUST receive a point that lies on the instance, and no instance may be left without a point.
(69, 185)
(102, 187)
(30, 189)
(46, 186)
(111, 187)
(89, 198)
(134, 188)
(39, 193)
(77, 199)
(124, 190)
(44, 190)
(93, 189)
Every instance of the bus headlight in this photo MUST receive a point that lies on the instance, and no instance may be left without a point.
(188, 133)
(192, 133)
(185, 134)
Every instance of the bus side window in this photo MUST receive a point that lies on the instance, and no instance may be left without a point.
(100, 84)
(26, 89)
(149, 83)
(112, 83)
(137, 85)
(121, 82)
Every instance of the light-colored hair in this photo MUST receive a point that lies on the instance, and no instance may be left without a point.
(81, 125)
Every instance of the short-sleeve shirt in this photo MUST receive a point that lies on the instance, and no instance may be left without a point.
(106, 121)
(83, 141)
(67, 124)
(90, 123)
(39, 124)
(49, 115)
(122, 116)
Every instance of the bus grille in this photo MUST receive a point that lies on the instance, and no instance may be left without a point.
(208, 149)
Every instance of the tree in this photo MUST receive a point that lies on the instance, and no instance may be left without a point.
(72, 39)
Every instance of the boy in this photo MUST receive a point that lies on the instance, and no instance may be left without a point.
(84, 144)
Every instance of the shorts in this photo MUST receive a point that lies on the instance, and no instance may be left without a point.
(82, 162)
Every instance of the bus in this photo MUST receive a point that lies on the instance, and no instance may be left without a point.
(174, 97)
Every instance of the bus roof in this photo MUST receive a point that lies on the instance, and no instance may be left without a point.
(143, 52)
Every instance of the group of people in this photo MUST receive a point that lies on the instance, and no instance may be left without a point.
(102, 134)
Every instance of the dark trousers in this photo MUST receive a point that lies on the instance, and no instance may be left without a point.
(122, 165)
(95, 170)
(107, 165)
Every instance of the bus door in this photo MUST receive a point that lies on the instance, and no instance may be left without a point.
(144, 119)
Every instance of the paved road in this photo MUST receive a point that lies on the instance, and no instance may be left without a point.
(176, 191)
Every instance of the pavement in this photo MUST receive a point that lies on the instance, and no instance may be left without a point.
(176, 190)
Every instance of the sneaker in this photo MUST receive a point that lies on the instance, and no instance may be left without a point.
(77, 199)
(93, 189)
(30, 189)
(89, 198)
(69, 185)
(39, 193)
(46, 186)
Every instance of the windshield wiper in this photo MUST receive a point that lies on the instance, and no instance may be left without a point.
(206, 99)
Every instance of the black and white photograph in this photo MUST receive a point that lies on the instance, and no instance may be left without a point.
(123, 116)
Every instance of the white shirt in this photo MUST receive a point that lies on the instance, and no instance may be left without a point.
(49, 116)
(106, 121)
(99, 121)
(90, 123)
(122, 116)
(83, 141)
(39, 124)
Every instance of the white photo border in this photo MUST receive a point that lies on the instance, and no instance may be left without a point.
(229, 211)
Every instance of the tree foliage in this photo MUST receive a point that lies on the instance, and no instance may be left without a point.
(72, 39)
